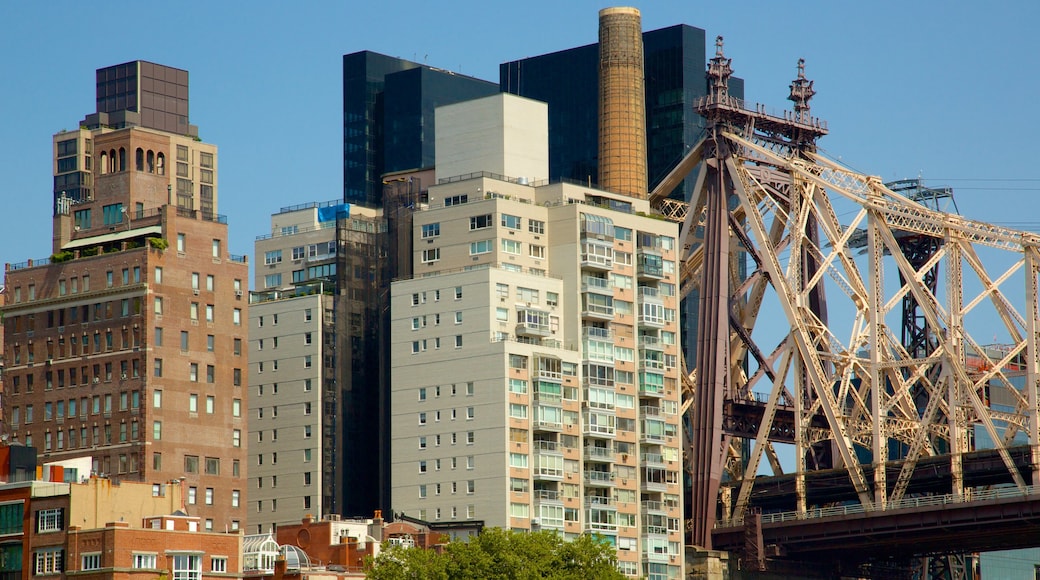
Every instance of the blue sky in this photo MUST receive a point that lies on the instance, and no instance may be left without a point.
(939, 89)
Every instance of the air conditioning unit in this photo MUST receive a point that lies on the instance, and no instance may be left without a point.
(123, 376)
(238, 293)
(97, 380)
(195, 291)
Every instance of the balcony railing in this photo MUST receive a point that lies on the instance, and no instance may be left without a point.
(600, 478)
(593, 453)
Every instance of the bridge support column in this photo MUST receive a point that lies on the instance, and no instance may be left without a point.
(1032, 359)
(704, 564)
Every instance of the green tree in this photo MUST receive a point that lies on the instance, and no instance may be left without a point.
(498, 554)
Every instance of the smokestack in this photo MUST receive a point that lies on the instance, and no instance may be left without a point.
(622, 103)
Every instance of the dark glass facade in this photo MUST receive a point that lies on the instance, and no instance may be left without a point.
(674, 65)
(388, 122)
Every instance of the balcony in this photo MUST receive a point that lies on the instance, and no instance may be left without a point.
(599, 520)
(534, 329)
(548, 496)
(600, 478)
(547, 419)
(653, 486)
(597, 256)
(594, 284)
(599, 430)
(649, 294)
(547, 472)
(650, 342)
(649, 411)
(599, 502)
(596, 333)
(604, 454)
(533, 323)
(651, 266)
(651, 384)
(651, 359)
(597, 306)
(546, 448)
(652, 460)
(655, 506)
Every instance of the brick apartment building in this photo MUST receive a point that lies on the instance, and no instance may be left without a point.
(127, 345)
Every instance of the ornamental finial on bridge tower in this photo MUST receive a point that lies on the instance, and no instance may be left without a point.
(719, 71)
(801, 92)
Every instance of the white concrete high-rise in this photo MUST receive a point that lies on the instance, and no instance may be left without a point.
(535, 373)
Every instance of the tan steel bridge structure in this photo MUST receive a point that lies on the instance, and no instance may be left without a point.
(777, 233)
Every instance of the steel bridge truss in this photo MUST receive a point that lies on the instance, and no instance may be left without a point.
(849, 390)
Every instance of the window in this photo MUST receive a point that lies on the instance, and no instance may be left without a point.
(157, 430)
(431, 230)
(458, 341)
(510, 246)
(91, 562)
(191, 463)
(187, 567)
(209, 496)
(50, 520)
(511, 221)
(481, 247)
(536, 251)
(215, 248)
(431, 255)
(479, 222)
(272, 257)
(536, 226)
(146, 561)
(182, 242)
(219, 564)
(49, 561)
(11, 517)
(236, 438)
(212, 466)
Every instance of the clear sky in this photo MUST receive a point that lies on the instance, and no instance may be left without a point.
(946, 90)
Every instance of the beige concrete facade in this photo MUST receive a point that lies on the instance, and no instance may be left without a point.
(502, 134)
(286, 345)
(535, 373)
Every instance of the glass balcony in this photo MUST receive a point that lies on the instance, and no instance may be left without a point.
(654, 506)
(596, 333)
(651, 459)
(600, 502)
(600, 478)
(649, 293)
(604, 454)
(650, 342)
(597, 256)
(651, 266)
(594, 284)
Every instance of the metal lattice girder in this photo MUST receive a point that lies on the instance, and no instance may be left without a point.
(860, 381)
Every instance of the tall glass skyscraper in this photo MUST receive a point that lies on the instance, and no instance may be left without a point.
(388, 125)
(674, 64)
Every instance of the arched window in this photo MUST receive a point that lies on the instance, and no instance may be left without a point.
(113, 162)
(139, 160)
(151, 161)
(122, 159)
(103, 163)
(160, 164)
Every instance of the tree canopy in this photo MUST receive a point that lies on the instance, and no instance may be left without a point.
(498, 554)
